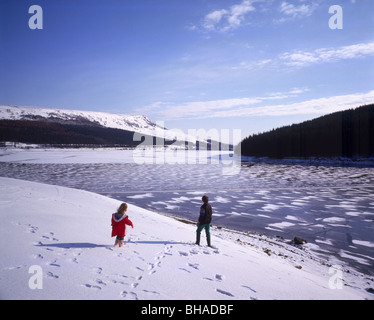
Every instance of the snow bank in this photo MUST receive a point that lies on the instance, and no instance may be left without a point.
(65, 233)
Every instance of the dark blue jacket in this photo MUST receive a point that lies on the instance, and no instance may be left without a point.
(205, 214)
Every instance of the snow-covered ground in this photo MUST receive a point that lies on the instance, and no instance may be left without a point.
(56, 244)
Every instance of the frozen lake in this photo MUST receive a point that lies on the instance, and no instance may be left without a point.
(331, 207)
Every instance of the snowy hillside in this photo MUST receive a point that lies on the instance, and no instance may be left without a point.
(140, 124)
(56, 244)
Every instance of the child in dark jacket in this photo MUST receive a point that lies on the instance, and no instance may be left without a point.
(205, 219)
(119, 222)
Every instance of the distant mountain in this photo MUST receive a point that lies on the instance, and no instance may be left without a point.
(58, 126)
(344, 134)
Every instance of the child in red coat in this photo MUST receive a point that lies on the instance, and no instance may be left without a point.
(119, 222)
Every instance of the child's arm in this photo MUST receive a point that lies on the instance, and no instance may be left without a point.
(129, 223)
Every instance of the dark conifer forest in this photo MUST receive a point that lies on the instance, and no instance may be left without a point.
(62, 134)
(344, 134)
(58, 134)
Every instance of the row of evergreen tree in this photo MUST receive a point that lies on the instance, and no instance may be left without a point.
(59, 134)
(50, 133)
(344, 134)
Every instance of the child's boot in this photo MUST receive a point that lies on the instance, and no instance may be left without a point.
(197, 239)
(208, 241)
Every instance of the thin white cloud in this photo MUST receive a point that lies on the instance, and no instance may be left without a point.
(231, 18)
(304, 58)
(196, 109)
(238, 13)
(303, 10)
(228, 19)
(206, 109)
(250, 65)
(323, 55)
(251, 106)
(313, 106)
(213, 18)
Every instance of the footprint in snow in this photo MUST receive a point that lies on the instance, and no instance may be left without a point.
(50, 236)
(98, 285)
(31, 228)
(135, 284)
(98, 270)
(38, 256)
(247, 287)
(183, 269)
(129, 295)
(52, 275)
(54, 264)
(194, 265)
(208, 279)
(151, 292)
(15, 267)
(100, 282)
(226, 293)
(219, 277)
(194, 251)
(91, 286)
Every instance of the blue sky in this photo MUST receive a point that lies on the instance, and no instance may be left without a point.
(233, 64)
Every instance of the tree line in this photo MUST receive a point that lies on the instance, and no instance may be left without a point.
(51, 133)
(63, 134)
(344, 134)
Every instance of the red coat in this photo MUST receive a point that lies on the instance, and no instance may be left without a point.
(119, 225)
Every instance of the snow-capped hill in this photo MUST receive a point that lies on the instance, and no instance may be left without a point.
(138, 123)
(116, 121)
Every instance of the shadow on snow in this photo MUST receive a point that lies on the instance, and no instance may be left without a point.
(74, 245)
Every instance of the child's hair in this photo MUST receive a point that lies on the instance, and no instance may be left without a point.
(122, 208)
(205, 199)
